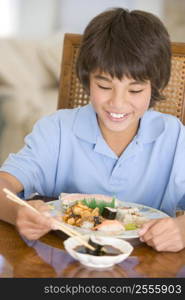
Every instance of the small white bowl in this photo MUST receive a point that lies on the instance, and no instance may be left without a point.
(99, 261)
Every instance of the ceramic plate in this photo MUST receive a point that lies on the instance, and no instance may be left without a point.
(146, 211)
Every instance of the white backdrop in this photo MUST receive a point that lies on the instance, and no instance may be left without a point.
(41, 18)
(75, 14)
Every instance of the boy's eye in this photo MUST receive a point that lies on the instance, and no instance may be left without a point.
(104, 87)
(134, 92)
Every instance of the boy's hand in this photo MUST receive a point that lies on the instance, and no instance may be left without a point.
(165, 234)
(32, 225)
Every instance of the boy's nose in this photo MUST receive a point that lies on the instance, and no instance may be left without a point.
(118, 100)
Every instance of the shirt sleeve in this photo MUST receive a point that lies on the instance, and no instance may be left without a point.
(179, 171)
(35, 165)
(174, 197)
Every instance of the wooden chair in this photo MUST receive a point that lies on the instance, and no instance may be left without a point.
(72, 94)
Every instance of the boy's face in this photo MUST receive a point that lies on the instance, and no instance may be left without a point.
(119, 104)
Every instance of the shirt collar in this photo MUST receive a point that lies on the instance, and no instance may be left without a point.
(152, 125)
(85, 125)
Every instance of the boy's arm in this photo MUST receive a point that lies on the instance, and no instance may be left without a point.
(28, 223)
(8, 209)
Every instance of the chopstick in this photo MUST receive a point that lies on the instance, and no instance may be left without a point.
(18, 200)
(59, 226)
(73, 233)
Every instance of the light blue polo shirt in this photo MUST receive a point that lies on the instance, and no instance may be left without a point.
(66, 153)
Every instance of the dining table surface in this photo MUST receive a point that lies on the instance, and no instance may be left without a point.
(47, 258)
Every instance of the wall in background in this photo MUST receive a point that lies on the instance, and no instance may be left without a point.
(29, 19)
(76, 14)
(174, 18)
(8, 17)
(39, 19)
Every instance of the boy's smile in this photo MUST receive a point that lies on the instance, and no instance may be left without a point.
(119, 104)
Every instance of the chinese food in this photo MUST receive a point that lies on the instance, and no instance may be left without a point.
(110, 226)
(109, 213)
(100, 213)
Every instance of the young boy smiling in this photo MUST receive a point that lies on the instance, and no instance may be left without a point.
(118, 120)
(115, 145)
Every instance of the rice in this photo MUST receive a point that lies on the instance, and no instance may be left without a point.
(87, 225)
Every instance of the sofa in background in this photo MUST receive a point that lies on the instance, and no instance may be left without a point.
(29, 80)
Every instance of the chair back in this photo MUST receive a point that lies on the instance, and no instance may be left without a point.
(72, 94)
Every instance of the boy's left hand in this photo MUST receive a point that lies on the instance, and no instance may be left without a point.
(167, 234)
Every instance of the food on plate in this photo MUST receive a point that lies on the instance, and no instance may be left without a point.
(99, 213)
(89, 200)
(82, 216)
(109, 213)
(131, 217)
(110, 226)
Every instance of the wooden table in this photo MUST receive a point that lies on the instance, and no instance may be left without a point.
(47, 258)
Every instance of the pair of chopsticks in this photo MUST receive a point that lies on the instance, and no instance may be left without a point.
(58, 226)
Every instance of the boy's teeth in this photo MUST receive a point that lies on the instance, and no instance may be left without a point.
(114, 115)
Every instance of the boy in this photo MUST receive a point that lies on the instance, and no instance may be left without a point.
(113, 146)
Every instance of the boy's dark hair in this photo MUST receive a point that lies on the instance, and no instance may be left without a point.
(135, 44)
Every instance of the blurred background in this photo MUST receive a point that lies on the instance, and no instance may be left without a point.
(31, 41)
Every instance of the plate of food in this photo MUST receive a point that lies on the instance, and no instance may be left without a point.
(102, 215)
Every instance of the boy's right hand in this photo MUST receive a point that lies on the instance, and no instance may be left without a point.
(32, 225)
